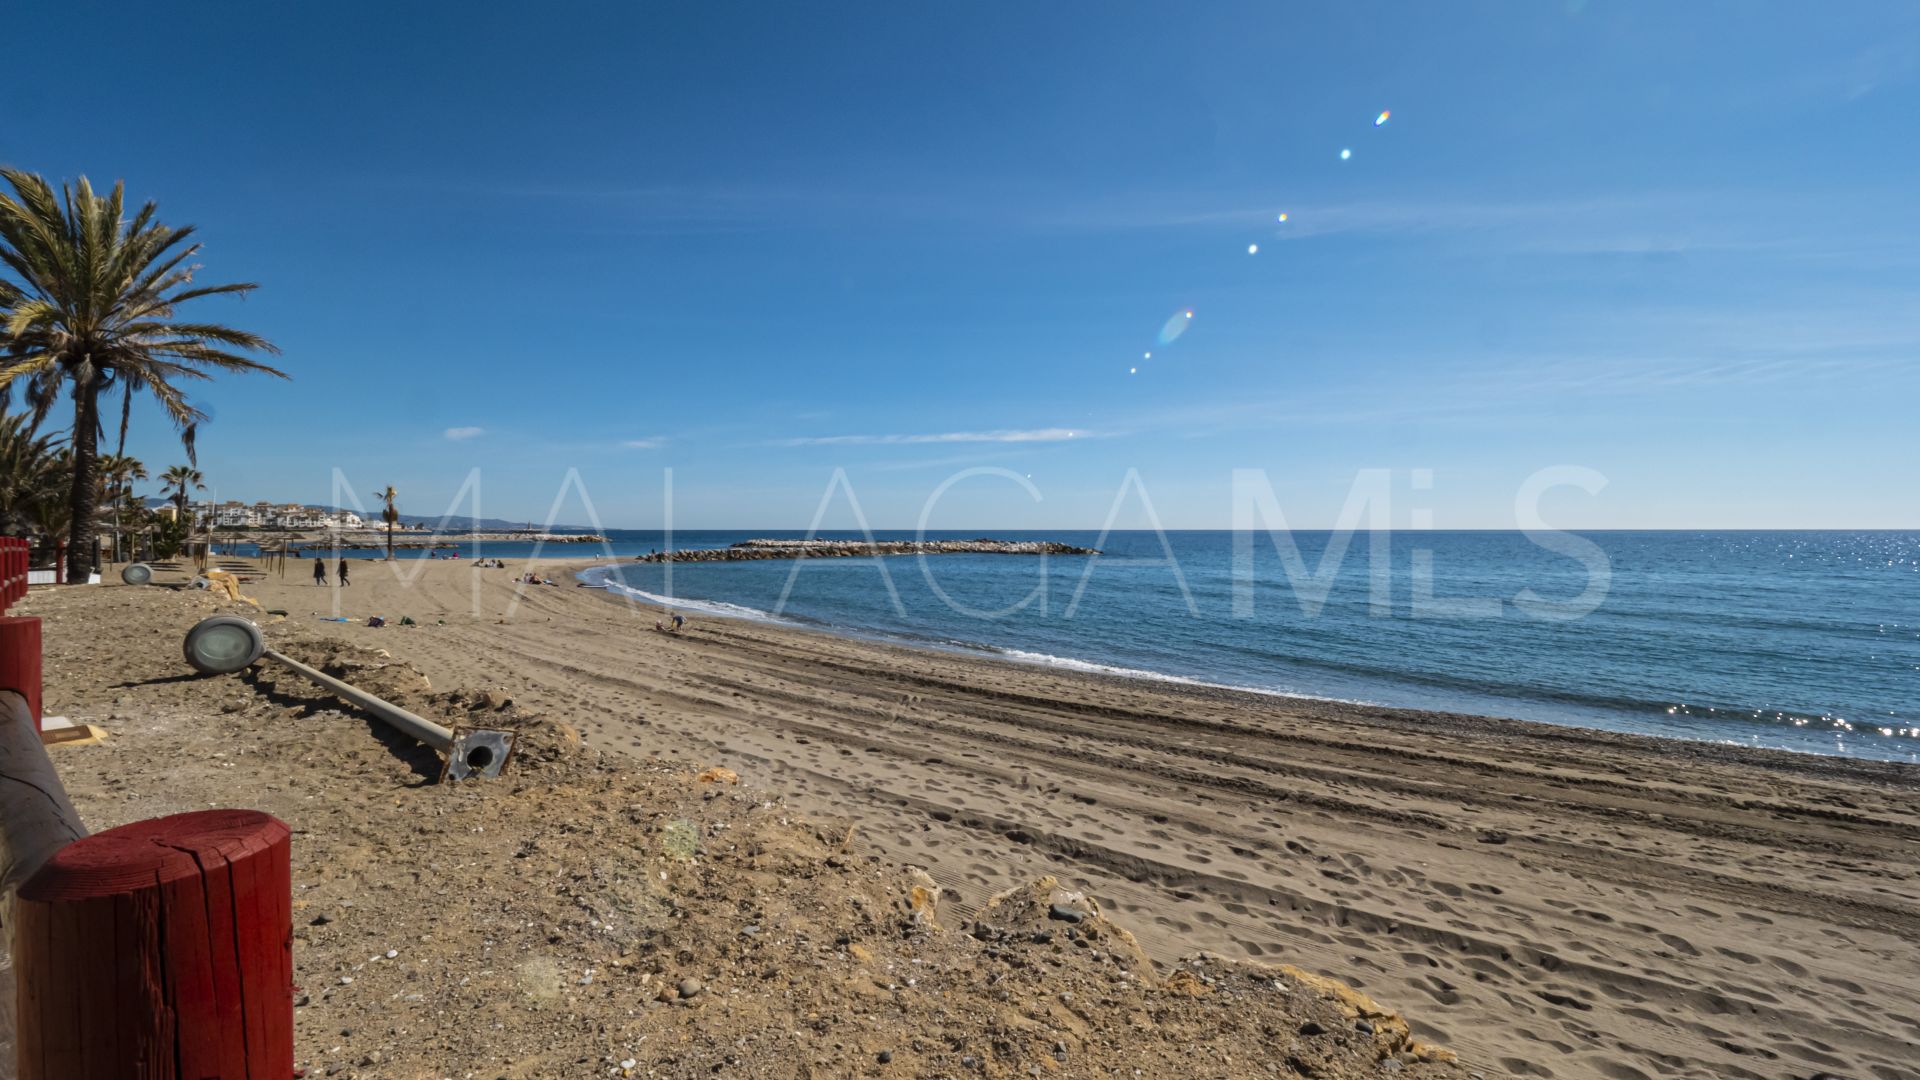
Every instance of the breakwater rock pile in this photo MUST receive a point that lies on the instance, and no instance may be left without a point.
(748, 550)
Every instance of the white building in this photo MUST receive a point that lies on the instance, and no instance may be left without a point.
(231, 514)
(234, 514)
(294, 516)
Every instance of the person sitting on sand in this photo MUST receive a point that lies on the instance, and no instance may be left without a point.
(319, 570)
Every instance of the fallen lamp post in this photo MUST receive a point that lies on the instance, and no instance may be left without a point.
(224, 644)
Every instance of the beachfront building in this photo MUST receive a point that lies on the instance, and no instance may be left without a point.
(234, 514)
(292, 516)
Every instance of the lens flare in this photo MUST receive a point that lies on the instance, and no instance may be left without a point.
(1381, 120)
(1253, 249)
(1133, 371)
(1345, 154)
(1175, 325)
(1283, 219)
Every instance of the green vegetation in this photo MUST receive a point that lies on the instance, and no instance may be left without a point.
(33, 473)
(118, 474)
(179, 482)
(88, 304)
(680, 839)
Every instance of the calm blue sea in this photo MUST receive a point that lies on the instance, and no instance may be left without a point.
(1804, 641)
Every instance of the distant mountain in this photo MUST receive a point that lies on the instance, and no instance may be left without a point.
(467, 524)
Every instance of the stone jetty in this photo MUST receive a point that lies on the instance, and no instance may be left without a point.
(748, 550)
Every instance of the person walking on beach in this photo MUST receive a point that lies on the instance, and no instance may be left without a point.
(319, 570)
(343, 573)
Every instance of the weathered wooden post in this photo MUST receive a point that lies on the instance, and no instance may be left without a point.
(19, 637)
(36, 819)
(159, 949)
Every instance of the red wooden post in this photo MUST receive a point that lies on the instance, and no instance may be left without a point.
(20, 659)
(12, 569)
(19, 637)
(161, 949)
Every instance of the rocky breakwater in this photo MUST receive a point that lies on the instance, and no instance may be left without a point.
(748, 550)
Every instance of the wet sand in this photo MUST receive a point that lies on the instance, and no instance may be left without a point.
(1554, 901)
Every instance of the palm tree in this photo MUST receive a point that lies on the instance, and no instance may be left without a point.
(118, 473)
(92, 309)
(53, 513)
(32, 473)
(389, 514)
(178, 482)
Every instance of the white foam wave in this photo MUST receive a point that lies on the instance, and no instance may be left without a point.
(609, 576)
(1072, 664)
(709, 607)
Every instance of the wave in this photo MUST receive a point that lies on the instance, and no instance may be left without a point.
(1073, 664)
(1357, 666)
(709, 607)
(609, 576)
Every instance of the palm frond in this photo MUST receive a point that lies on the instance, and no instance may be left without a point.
(226, 361)
(88, 296)
(162, 333)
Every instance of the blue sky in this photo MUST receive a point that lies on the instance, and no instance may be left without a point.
(1674, 243)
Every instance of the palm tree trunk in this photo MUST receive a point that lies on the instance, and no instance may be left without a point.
(83, 503)
(389, 541)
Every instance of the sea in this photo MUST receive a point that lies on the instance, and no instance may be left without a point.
(1802, 641)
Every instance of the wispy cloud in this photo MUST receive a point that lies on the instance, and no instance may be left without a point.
(974, 458)
(1662, 224)
(461, 434)
(651, 442)
(1512, 390)
(1029, 436)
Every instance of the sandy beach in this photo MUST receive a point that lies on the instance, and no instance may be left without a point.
(1547, 901)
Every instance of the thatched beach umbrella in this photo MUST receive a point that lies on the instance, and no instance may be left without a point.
(275, 554)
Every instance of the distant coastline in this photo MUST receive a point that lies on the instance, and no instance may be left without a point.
(447, 540)
(403, 540)
(759, 549)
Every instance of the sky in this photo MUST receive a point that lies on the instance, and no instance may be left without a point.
(800, 265)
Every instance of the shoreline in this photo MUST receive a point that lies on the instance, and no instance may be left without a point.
(1547, 900)
(665, 918)
(985, 651)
